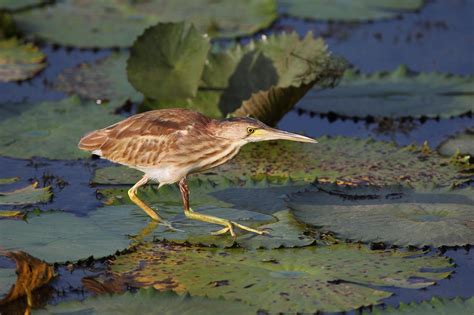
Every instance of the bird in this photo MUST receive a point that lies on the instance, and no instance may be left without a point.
(168, 145)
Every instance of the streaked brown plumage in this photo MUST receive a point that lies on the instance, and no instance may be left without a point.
(169, 144)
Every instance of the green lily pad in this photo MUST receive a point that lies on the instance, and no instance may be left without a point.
(103, 80)
(263, 79)
(333, 159)
(50, 129)
(462, 143)
(395, 216)
(148, 301)
(26, 196)
(116, 23)
(435, 306)
(9, 180)
(167, 60)
(400, 93)
(19, 61)
(18, 4)
(305, 280)
(249, 203)
(343, 10)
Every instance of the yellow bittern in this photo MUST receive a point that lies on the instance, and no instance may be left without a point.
(169, 144)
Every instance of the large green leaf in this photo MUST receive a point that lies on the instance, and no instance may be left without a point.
(462, 143)
(341, 159)
(263, 79)
(50, 129)
(19, 61)
(167, 60)
(148, 301)
(26, 196)
(105, 79)
(249, 203)
(348, 10)
(18, 4)
(400, 93)
(435, 306)
(305, 280)
(112, 23)
(395, 216)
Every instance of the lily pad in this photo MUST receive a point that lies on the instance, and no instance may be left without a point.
(149, 301)
(248, 203)
(333, 159)
(50, 129)
(462, 143)
(167, 60)
(343, 10)
(18, 4)
(116, 23)
(9, 180)
(26, 196)
(394, 216)
(104, 80)
(396, 94)
(305, 280)
(19, 61)
(264, 78)
(435, 306)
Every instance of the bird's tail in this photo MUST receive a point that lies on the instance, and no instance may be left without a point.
(93, 141)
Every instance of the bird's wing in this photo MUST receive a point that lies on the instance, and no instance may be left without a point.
(142, 139)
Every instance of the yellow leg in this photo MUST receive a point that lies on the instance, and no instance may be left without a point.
(229, 225)
(132, 193)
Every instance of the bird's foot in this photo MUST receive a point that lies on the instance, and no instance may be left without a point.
(230, 228)
(169, 225)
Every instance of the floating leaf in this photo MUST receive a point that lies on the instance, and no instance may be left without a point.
(9, 180)
(149, 301)
(112, 23)
(26, 196)
(435, 306)
(305, 280)
(7, 26)
(400, 93)
(105, 79)
(31, 273)
(19, 61)
(263, 79)
(50, 129)
(462, 143)
(18, 4)
(394, 216)
(10, 214)
(340, 159)
(342, 10)
(246, 203)
(167, 60)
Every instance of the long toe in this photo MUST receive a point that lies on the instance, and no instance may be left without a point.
(246, 228)
(169, 225)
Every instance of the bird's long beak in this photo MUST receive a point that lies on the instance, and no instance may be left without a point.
(275, 134)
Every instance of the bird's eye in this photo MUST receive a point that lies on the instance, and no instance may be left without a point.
(250, 130)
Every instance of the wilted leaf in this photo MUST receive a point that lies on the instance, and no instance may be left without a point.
(10, 214)
(167, 60)
(342, 10)
(105, 79)
(435, 306)
(50, 129)
(19, 61)
(394, 216)
(462, 143)
(333, 159)
(112, 23)
(9, 180)
(149, 301)
(26, 196)
(304, 280)
(400, 93)
(31, 273)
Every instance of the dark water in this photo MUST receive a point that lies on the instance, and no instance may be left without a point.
(438, 38)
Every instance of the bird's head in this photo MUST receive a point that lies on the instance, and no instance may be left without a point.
(247, 129)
